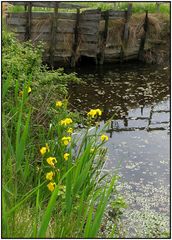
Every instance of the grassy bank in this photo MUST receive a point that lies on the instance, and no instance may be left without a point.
(53, 183)
(137, 7)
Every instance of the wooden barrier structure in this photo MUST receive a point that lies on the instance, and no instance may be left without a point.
(69, 36)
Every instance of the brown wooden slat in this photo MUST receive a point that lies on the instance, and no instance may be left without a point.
(17, 29)
(88, 30)
(60, 45)
(114, 14)
(89, 24)
(89, 17)
(91, 11)
(41, 28)
(40, 37)
(90, 46)
(16, 21)
(65, 28)
(64, 36)
(89, 38)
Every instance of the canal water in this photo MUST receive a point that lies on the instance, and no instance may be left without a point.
(138, 99)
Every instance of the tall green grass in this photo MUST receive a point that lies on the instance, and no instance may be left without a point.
(76, 207)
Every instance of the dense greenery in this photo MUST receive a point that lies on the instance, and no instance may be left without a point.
(53, 184)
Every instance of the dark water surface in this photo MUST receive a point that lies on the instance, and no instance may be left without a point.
(138, 98)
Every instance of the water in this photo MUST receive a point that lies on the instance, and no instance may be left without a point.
(138, 98)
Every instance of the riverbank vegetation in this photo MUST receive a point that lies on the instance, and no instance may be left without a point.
(53, 183)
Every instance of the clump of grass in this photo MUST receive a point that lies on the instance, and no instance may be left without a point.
(52, 173)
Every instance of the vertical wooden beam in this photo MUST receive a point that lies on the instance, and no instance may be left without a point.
(128, 14)
(76, 40)
(28, 21)
(158, 6)
(25, 7)
(105, 34)
(53, 35)
(143, 39)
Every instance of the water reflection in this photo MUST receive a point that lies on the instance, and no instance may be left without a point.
(118, 91)
(138, 99)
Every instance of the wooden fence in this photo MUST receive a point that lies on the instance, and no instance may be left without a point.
(68, 36)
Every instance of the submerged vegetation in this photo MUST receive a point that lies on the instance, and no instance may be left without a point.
(53, 184)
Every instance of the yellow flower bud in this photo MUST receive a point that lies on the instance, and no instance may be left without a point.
(104, 137)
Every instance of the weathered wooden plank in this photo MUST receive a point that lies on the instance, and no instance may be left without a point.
(113, 14)
(65, 37)
(89, 38)
(116, 13)
(126, 31)
(76, 40)
(59, 54)
(89, 24)
(143, 39)
(88, 46)
(89, 17)
(53, 33)
(112, 52)
(50, 4)
(104, 37)
(64, 26)
(28, 21)
(16, 21)
(88, 30)
(41, 27)
(88, 54)
(91, 11)
(70, 16)
(34, 15)
(43, 15)
(40, 37)
(64, 45)
(17, 29)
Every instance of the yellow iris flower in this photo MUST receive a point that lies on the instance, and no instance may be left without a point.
(43, 150)
(51, 186)
(104, 137)
(70, 130)
(66, 140)
(66, 121)
(51, 161)
(59, 103)
(49, 175)
(66, 156)
(94, 112)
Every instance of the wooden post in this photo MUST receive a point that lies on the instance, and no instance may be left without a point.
(126, 32)
(158, 6)
(143, 39)
(105, 34)
(76, 41)
(53, 35)
(28, 22)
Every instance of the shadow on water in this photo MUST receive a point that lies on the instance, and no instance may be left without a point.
(138, 98)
